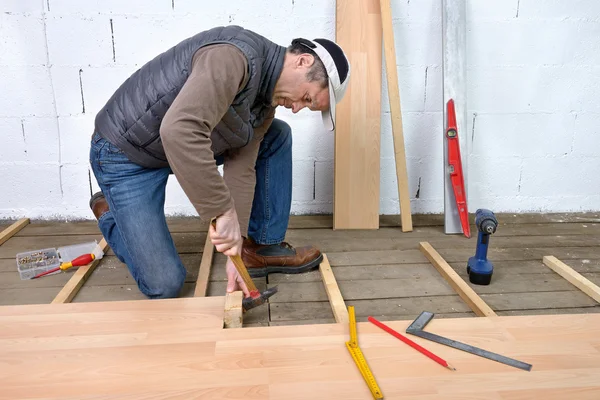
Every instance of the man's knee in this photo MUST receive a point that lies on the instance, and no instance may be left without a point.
(163, 286)
(282, 131)
(281, 126)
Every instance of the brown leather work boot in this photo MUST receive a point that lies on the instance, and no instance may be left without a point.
(98, 204)
(261, 260)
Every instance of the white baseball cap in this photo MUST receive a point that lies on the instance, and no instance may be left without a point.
(338, 73)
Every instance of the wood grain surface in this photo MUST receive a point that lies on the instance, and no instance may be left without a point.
(573, 277)
(358, 116)
(334, 296)
(177, 349)
(13, 229)
(396, 114)
(69, 291)
(461, 287)
(205, 268)
(233, 314)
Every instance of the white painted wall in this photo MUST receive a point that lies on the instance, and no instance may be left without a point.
(533, 96)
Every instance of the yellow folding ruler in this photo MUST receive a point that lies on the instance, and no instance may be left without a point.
(359, 359)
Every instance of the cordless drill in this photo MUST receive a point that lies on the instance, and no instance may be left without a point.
(478, 267)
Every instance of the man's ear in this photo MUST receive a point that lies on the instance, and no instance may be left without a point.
(305, 60)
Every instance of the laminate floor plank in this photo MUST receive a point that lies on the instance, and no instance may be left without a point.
(178, 349)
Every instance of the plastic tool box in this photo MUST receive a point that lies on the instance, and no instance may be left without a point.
(31, 263)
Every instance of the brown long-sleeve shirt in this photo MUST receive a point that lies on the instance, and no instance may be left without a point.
(218, 72)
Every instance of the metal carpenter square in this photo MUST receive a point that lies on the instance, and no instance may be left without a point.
(416, 328)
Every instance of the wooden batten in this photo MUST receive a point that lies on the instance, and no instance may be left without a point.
(465, 292)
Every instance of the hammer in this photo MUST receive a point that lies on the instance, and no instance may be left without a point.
(256, 298)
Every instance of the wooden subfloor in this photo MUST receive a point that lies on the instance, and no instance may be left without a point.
(382, 273)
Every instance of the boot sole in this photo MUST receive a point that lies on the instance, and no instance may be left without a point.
(275, 269)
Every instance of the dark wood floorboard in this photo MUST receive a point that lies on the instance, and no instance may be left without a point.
(380, 272)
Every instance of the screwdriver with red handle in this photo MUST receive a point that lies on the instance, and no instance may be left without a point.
(77, 262)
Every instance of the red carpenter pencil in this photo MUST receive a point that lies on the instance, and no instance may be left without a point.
(412, 344)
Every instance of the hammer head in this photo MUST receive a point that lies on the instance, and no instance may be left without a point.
(249, 302)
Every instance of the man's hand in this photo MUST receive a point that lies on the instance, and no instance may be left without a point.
(227, 237)
(234, 280)
(228, 240)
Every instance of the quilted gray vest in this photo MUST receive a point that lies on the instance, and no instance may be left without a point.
(132, 116)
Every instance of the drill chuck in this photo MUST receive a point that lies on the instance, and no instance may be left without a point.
(488, 227)
(485, 221)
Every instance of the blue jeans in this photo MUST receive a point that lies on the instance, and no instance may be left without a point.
(136, 228)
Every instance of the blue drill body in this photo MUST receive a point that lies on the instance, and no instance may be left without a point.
(479, 268)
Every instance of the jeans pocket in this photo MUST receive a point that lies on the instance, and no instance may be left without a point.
(99, 144)
(111, 148)
(109, 162)
(112, 159)
(113, 155)
(109, 153)
(116, 167)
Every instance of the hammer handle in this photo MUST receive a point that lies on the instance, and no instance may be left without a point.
(241, 268)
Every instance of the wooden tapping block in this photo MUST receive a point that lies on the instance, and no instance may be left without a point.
(71, 288)
(13, 229)
(465, 292)
(340, 311)
(233, 315)
(396, 114)
(205, 266)
(574, 277)
(358, 117)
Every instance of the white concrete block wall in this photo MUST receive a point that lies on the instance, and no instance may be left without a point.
(533, 98)
(16, 30)
(533, 94)
(22, 7)
(74, 40)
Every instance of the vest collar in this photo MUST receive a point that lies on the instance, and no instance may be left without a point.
(272, 67)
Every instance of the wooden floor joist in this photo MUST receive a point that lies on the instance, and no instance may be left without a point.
(233, 315)
(465, 292)
(79, 277)
(13, 229)
(573, 277)
(205, 266)
(340, 311)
